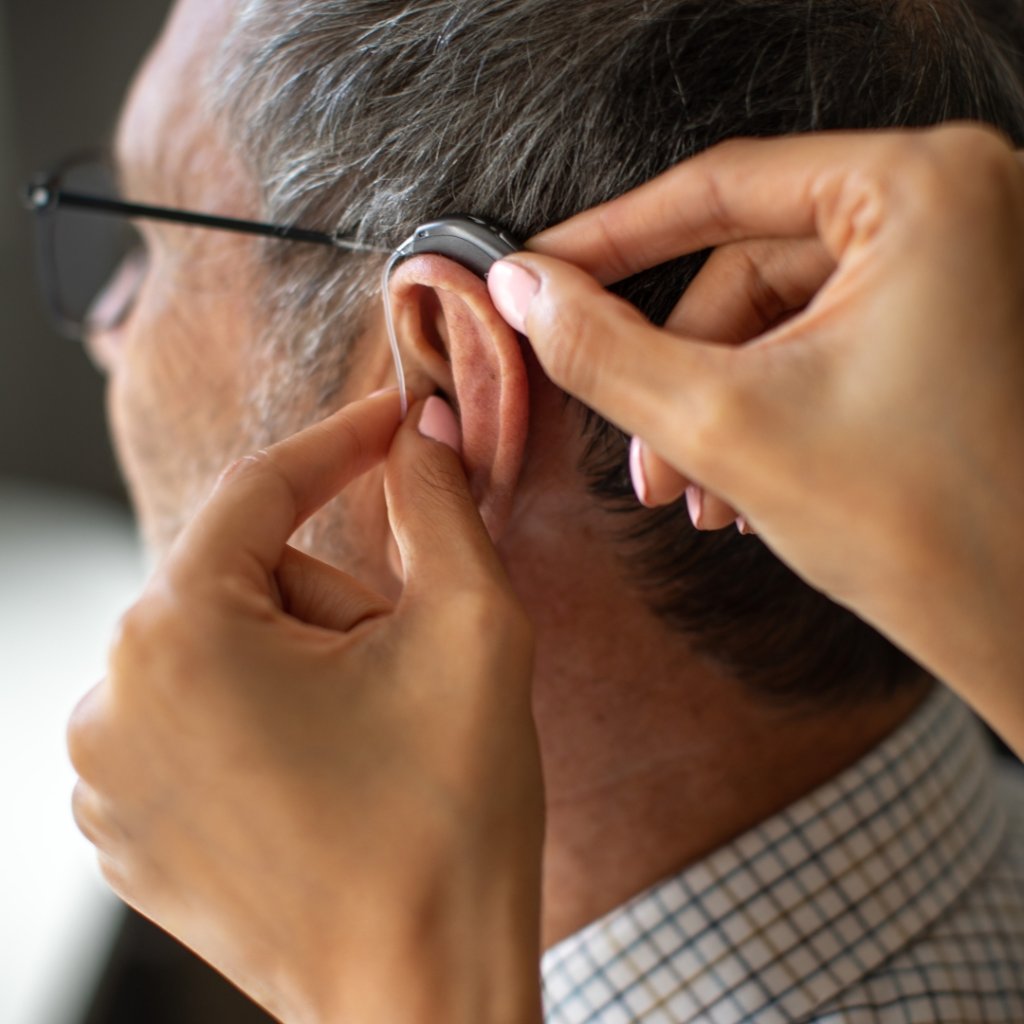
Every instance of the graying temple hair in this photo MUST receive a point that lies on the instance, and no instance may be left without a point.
(370, 116)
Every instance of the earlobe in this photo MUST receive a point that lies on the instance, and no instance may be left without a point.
(454, 340)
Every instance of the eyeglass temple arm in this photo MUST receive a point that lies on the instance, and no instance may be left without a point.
(40, 196)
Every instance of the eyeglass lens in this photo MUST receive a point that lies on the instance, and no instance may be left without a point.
(95, 259)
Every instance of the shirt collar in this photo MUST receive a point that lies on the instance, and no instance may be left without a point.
(785, 917)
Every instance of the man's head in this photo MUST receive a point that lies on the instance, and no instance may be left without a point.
(370, 117)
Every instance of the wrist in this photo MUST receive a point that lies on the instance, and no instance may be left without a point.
(958, 611)
(477, 967)
(485, 987)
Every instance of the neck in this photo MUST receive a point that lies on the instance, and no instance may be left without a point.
(652, 759)
(644, 778)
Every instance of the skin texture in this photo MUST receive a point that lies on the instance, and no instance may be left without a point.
(311, 769)
(633, 730)
(881, 388)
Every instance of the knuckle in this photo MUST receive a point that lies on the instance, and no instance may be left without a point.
(161, 640)
(729, 151)
(715, 212)
(931, 165)
(949, 173)
(984, 154)
(901, 178)
(161, 616)
(972, 139)
(134, 628)
(440, 480)
(135, 636)
(926, 175)
(904, 162)
(81, 812)
(718, 410)
(608, 220)
(81, 733)
(733, 155)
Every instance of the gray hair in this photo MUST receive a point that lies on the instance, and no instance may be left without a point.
(370, 116)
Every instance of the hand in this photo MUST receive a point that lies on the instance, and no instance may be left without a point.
(334, 799)
(866, 415)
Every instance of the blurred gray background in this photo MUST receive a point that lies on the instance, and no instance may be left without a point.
(69, 562)
(63, 69)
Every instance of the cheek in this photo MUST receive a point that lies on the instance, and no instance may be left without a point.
(174, 405)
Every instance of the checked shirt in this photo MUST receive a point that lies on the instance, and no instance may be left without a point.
(892, 894)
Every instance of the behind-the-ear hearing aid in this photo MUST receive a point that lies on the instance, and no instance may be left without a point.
(470, 241)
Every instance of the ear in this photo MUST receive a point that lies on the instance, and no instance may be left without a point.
(453, 340)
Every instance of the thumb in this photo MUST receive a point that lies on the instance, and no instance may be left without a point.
(442, 541)
(600, 348)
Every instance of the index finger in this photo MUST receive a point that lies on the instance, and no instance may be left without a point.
(262, 499)
(740, 189)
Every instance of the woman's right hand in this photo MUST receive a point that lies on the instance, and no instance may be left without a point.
(846, 372)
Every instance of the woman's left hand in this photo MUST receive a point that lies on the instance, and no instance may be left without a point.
(334, 799)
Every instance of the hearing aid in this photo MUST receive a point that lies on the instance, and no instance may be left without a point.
(472, 242)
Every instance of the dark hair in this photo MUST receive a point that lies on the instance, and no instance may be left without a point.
(373, 116)
(1003, 20)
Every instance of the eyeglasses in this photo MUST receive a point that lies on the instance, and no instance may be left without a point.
(91, 256)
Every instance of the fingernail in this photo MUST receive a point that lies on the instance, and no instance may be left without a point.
(637, 472)
(438, 422)
(383, 391)
(742, 525)
(695, 504)
(512, 289)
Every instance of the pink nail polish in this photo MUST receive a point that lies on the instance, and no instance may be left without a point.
(438, 422)
(636, 471)
(512, 289)
(695, 504)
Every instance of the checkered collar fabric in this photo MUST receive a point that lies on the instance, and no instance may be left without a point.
(781, 920)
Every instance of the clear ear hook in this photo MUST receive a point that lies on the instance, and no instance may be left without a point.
(342, 241)
(389, 319)
(470, 241)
